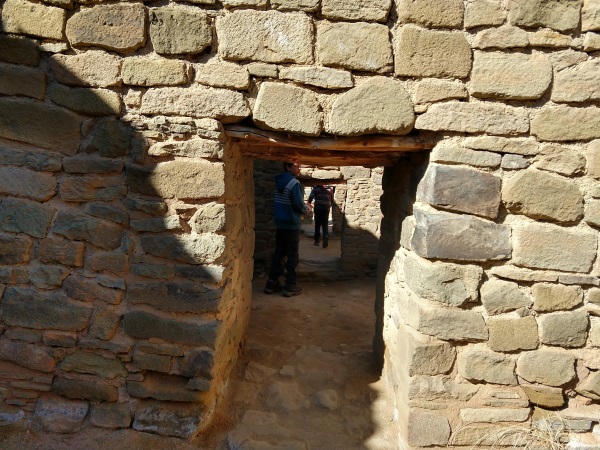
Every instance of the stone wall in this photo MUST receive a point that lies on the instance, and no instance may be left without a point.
(126, 213)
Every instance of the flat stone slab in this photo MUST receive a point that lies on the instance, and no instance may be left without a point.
(20, 182)
(439, 14)
(565, 123)
(36, 19)
(178, 30)
(95, 68)
(578, 83)
(367, 11)
(556, 14)
(152, 72)
(318, 76)
(58, 415)
(533, 367)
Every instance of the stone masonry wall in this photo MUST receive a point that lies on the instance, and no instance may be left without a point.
(126, 213)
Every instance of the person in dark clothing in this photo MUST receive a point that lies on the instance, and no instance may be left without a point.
(323, 198)
(289, 207)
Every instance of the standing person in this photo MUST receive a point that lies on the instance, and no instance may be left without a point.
(289, 206)
(323, 198)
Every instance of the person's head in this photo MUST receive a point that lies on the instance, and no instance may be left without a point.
(291, 167)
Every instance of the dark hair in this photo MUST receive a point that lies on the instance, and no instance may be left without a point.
(286, 165)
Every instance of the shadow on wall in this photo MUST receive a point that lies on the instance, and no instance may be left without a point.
(125, 252)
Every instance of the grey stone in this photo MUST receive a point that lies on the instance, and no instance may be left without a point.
(544, 396)
(108, 415)
(61, 251)
(11, 414)
(288, 108)
(36, 19)
(379, 105)
(198, 363)
(449, 284)
(426, 53)
(157, 224)
(143, 325)
(95, 68)
(26, 183)
(91, 188)
(578, 83)
(156, 363)
(151, 207)
(369, 11)
(490, 367)
(510, 334)
(163, 387)
(105, 324)
(60, 416)
(40, 124)
(484, 12)
(81, 227)
(501, 37)
(592, 213)
(425, 429)
(318, 76)
(109, 137)
(517, 146)
(354, 46)
(85, 390)
(500, 296)
(461, 237)
(48, 277)
(91, 164)
(201, 273)
(295, 5)
(88, 101)
(108, 212)
(439, 388)
(514, 76)
(178, 420)
(192, 249)
(18, 80)
(182, 296)
(592, 155)
(471, 117)
(177, 30)
(452, 324)
(590, 387)
(263, 70)
(493, 415)
(560, 159)
(152, 72)
(14, 249)
(564, 329)
(222, 74)
(451, 154)
(561, 15)
(533, 367)
(86, 289)
(426, 356)
(248, 35)
(441, 14)
(554, 297)
(193, 148)
(21, 216)
(118, 27)
(19, 50)
(94, 364)
(27, 355)
(565, 123)
(153, 270)
(544, 246)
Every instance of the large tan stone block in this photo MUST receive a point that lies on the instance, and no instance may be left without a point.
(517, 146)
(591, 42)
(560, 159)
(19, 80)
(88, 101)
(222, 74)
(459, 155)
(501, 37)
(426, 428)
(545, 246)
(482, 365)
(286, 107)
(223, 104)
(175, 30)
(91, 68)
(561, 15)
(424, 53)
(27, 183)
(500, 296)
(494, 415)
(318, 76)
(580, 83)
(590, 15)
(362, 10)
(554, 297)
(541, 195)
(544, 396)
(514, 76)
(564, 329)
(191, 249)
(19, 50)
(355, 46)
(36, 19)
(533, 367)
(380, 105)
(118, 27)
(484, 12)
(482, 117)
(268, 36)
(433, 389)
(565, 123)
(152, 72)
(193, 148)
(451, 324)
(513, 333)
(439, 14)
(432, 90)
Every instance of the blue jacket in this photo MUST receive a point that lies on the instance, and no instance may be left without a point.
(289, 202)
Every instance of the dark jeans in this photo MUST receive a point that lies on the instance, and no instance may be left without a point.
(286, 254)
(321, 220)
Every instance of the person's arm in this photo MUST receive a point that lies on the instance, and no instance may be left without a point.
(311, 197)
(297, 200)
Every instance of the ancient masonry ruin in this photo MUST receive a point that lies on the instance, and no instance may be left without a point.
(127, 201)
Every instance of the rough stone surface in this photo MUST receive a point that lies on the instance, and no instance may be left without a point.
(119, 27)
(510, 334)
(591, 42)
(152, 72)
(560, 159)
(426, 429)
(163, 387)
(94, 364)
(451, 154)
(88, 101)
(27, 355)
(500, 296)
(517, 146)
(18, 80)
(177, 30)
(369, 10)
(354, 46)
(249, 35)
(19, 50)
(22, 16)
(590, 16)
(425, 53)
(318, 76)
(48, 277)
(533, 367)
(295, 5)
(461, 237)
(592, 155)
(564, 329)
(107, 415)
(561, 15)
(515, 162)
(592, 213)
(63, 252)
(554, 297)
(544, 396)
(481, 365)
(565, 123)
(82, 227)
(193, 148)
(61, 416)
(379, 105)
(174, 419)
(502, 37)
(26, 183)
(82, 69)
(15, 249)
(452, 324)
(493, 415)
(109, 137)
(288, 108)
(192, 249)
(590, 387)
(543, 196)
(578, 83)
(222, 74)
(433, 90)
(514, 76)
(85, 390)
(209, 218)
(21, 216)
(438, 388)
(484, 12)
(183, 296)
(544, 246)
(441, 14)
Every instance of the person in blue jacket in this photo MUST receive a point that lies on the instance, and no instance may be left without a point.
(289, 207)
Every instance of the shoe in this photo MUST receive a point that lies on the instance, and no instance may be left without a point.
(291, 289)
(325, 242)
(317, 243)
(272, 286)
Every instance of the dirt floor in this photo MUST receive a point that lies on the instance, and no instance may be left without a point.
(306, 379)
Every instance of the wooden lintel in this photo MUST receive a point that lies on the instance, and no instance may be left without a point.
(371, 143)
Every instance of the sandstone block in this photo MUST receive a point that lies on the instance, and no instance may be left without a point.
(544, 246)
(502, 37)
(500, 296)
(543, 196)
(48, 277)
(88, 101)
(85, 390)
(174, 419)
(26, 183)
(288, 108)
(590, 387)
(533, 367)
(481, 117)
(560, 159)
(59, 415)
(163, 387)
(27, 355)
(590, 16)
(191, 249)
(461, 237)
(515, 162)
(591, 42)
(451, 154)
(424, 388)
(222, 104)
(544, 396)
(94, 364)
(561, 15)
(14, 249)
(105, 324)
(295, 5)
(119, 27)
(564, 329)
(257, 4)
(181, 179)
(514, 76)
(565, 123)
(367, 11)
(90, 188)
(517, 146)
(318, 76)
(426, 356)
(442, 14)
(484, 13)
(578, 83)
(63, 252)
(549, 39)
(152, 72)
(592, 213)
(157, 224)
(553, 297)
(107, 415)
(451, 324)
(22, 216)
(150, 207)
(19, 80)
(109, 137)
(81, 227)
(87, 290)
(36, 19)
(433, 90)
(143, 325)
(490, 367)
(19, 50)
(182, 296)
(449, 284)
(592, 155)
(91, 68)
(177, 30)
(222, 74)
(493, 415)
(354, 46)
(156, 363)
(380, 105)
(510, 334)
(210, 273)
(425, 429)
(248, 35)
(25, 307)
(91, 164)
(425, 53)
(209, 218)
(40, 124)
(263, 70)
(193, 148)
